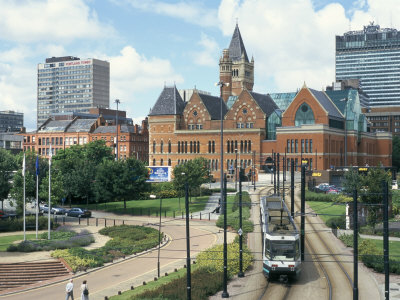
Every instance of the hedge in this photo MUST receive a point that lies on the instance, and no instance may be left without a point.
(17, 224)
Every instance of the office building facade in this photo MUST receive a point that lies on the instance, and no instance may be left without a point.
(69, 84)
(372, 56)
(11, 121)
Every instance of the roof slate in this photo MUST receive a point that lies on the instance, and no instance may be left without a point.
(236, 47)
(327, 103)
(168, 103)
(265, 102)
(55, 126)
(111, 129)
(213, 105)
(81, 125)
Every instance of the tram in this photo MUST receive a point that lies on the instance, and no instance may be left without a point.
(281, 240)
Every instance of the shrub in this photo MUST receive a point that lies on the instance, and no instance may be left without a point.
(167, 194)
(336, 222)
(204, 284)
(212, 259)
(16, 224)
(246, 201)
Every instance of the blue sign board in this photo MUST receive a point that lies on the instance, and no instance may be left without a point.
(159, 174)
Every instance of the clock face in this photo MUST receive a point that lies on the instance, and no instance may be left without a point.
(195, 113)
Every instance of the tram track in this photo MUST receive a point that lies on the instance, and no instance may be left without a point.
(316, 241)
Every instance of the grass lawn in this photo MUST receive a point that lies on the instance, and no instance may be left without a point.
(394, 248)
(6, 241)
(327, 210)
(152, 206)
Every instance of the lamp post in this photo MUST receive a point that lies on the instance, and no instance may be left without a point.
(345, 130)
(221, 85)
(236, 163)
(116, 117)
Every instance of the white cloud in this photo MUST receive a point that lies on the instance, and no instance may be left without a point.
(132, 74)
(210, 50)
(50, 20)
(189, 11)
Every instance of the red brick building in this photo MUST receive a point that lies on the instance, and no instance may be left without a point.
(328, 131)
(61, 134)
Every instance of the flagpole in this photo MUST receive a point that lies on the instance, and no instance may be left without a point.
(49, 213)
(23, 174)
(37, 195)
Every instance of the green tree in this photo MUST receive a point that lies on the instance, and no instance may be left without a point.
(7, 166)
(17, 190)
(194, 172)
(57, 187)
(120, 180)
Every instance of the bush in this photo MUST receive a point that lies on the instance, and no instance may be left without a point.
(337, 222)
(212, 259)
(167, 194)
(62, 239)
(17, 224)
(204, 285)
(125, 240)
(312, 196)
(246, 201)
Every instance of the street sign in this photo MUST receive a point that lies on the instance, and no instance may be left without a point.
(240, 231)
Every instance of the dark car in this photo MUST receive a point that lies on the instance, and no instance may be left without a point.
(58, 210)
(4, 215)
(79, 212)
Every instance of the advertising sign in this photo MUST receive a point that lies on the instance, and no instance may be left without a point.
(159, 174)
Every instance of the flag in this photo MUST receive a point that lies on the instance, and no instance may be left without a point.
(50, 156)
(37, 165)
(23, 166)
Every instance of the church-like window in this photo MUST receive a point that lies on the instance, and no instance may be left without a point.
(304, 115)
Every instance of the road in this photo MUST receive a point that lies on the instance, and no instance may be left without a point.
(109, 280)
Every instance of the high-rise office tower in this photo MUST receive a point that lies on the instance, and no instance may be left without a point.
(372, 56)
(69, 84)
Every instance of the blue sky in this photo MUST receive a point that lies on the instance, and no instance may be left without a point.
(150, 43)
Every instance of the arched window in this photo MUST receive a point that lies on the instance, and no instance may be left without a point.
(232, 149)
(191, 147)
(185, 147)
(154, 162)
(169, 146)
(209, 146)
(213, 146)
(245, 146)
(249, 143)
(228, 147)
(162, 147)
(304, 115)
(169, 162)
(236, 145)
(198, 147)
(241, 146)
(179, 147)
(161, 162)
(154, 146)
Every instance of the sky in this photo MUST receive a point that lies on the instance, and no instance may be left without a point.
(153, 43)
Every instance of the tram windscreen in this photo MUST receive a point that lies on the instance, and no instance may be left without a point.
(283, 250)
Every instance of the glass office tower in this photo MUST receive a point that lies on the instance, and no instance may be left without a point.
(372, 56)
(69, 84)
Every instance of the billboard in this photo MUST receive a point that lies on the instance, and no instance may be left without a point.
(159, 174)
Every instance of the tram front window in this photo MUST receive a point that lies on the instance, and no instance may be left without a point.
(283, 250)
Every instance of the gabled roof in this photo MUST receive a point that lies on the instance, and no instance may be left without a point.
(112, 129)
(168, 103)
(265, 102)
(54, 126)
(236, 47)
(81, 125)
(327, 104)
(338, 97)
(213, 105)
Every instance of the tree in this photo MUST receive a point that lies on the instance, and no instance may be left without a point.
(194, 172)
(120, 180)
(57, 187)
(30, 178)
(78, 166)
(7, 166)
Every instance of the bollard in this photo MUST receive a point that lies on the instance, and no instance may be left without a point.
(79, 220)
(191, 215)
(87, 221)
(123, 222)
(132, 288)
(97, 222)
(200, 215)
(173, 214)
(63, 220)
(114, 222)
(105, 222)
(182, 214)
(166, 274)
(209, 216)
(119, 293)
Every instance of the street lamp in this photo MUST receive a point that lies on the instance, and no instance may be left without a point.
(236, 163)
(116, 116)
(225, 293)
(345, 130)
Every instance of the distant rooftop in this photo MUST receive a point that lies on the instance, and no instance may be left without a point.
(62, 58)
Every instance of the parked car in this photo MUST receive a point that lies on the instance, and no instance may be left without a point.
(332, 190)
(4, 215)
(322, 188)
(79, 212)
(58, 210)
(44, 208)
